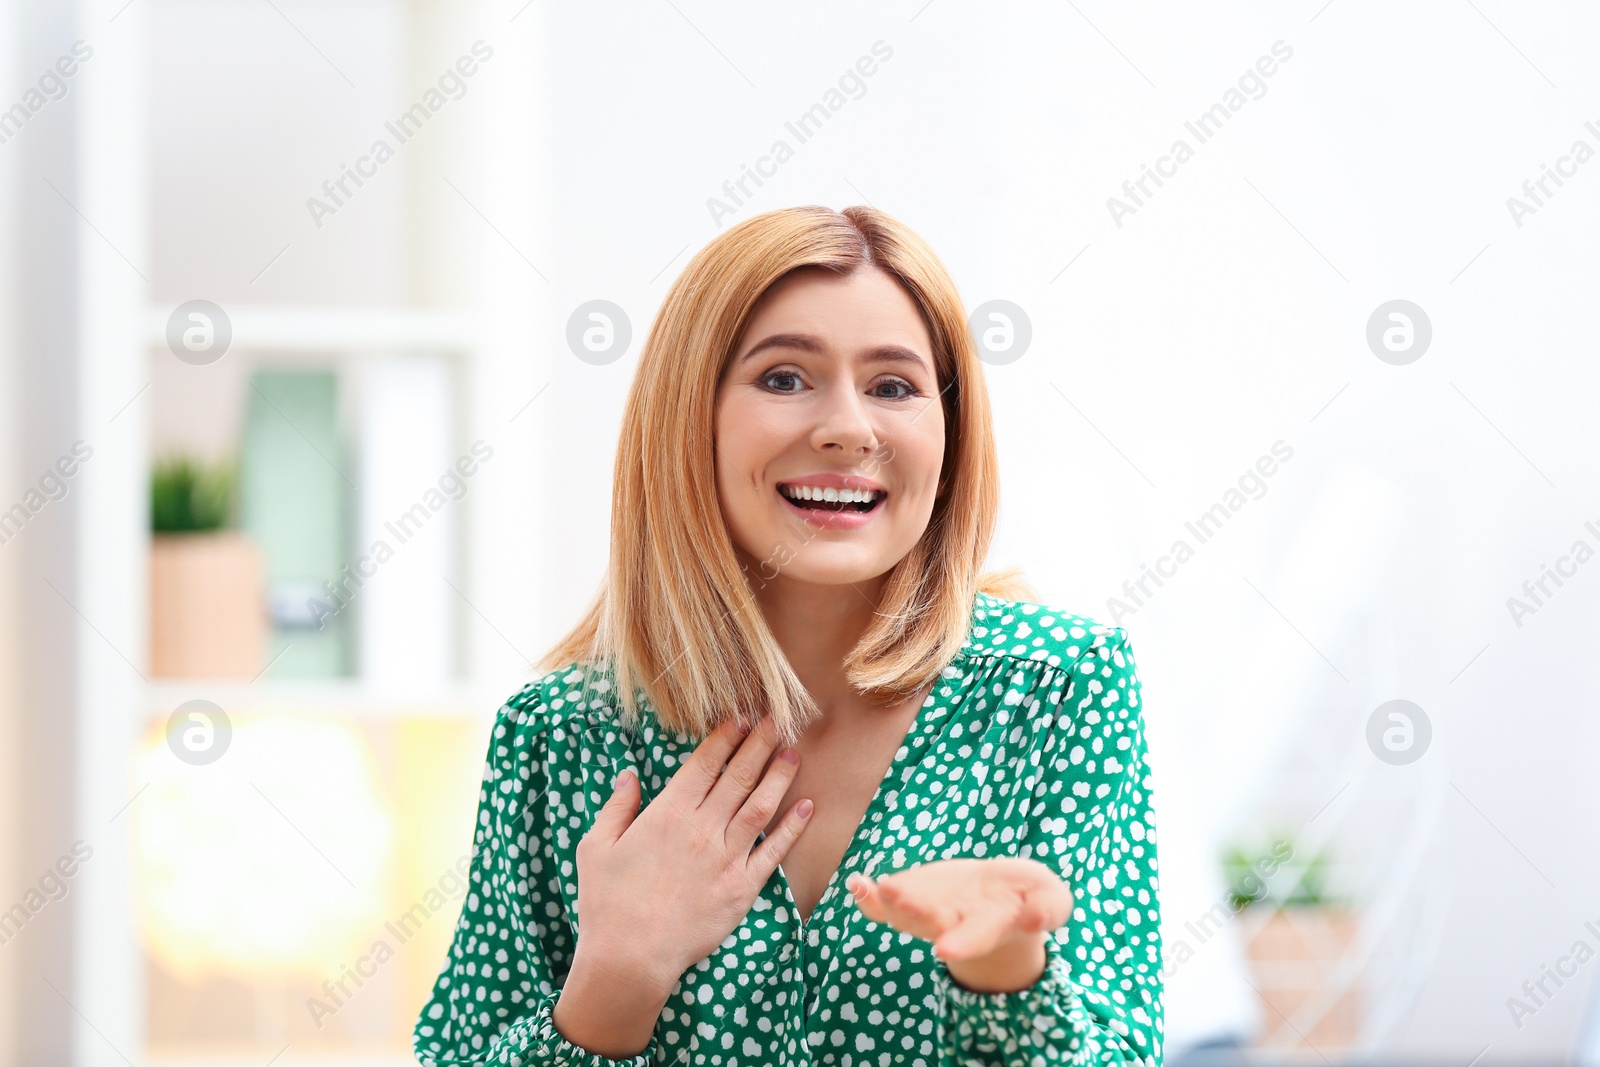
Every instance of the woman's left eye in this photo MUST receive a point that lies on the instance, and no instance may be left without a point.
(910, 390)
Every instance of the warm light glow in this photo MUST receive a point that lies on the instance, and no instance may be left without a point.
(271, 861)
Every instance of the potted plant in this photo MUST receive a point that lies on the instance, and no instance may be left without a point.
(1299, 934)
(207, 614)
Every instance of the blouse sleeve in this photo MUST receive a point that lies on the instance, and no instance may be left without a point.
(1099, 1000)
(512, 945)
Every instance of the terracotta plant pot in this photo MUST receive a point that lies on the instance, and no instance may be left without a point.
(207, 610)
(1294, 955)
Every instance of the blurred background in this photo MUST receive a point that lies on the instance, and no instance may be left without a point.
(316, 323)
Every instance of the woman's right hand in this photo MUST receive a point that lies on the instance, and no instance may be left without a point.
(662, 889)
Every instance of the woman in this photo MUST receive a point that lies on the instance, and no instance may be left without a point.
(819, 792)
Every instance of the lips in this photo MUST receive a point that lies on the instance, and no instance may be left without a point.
(832, 515)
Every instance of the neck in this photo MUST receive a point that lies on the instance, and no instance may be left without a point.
(817, 626)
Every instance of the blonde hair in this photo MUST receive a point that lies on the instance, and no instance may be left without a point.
(676, 618)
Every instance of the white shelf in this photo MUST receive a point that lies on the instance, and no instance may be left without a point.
(305, 328)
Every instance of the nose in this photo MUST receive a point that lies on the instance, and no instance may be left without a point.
(844, 424)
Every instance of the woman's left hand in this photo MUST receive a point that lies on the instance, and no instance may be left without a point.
(987, 918)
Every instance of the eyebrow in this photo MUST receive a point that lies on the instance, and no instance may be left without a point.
(806, 342)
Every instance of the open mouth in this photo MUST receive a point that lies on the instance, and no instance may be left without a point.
(859, 501)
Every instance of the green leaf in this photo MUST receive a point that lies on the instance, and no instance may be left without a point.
(188, 496)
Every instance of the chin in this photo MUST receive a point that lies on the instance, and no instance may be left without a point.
(845, 567)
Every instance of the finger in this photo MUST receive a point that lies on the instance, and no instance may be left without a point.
(742, 774)
(913, 914)
(1025, 871)
(1033, 914)
(978, 935)
(757, 810)
(699, 772)
(895, 895)
(871, 899)
(1061, 905)
(767, 855)
(1045, 907)
(865, 892)
(618, 812)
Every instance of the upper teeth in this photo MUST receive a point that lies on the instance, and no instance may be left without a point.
(813, 492)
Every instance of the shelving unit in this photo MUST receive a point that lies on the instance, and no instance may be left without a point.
(123, 323)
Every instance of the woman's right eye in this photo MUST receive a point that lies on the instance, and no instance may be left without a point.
(770, 375)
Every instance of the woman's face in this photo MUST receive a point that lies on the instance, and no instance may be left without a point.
(832, 384)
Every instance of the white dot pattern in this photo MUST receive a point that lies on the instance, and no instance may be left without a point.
(1030, 744)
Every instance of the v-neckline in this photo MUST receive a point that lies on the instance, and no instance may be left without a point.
(930, 720)
(929, 715)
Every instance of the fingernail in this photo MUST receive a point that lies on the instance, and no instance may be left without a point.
(625, 778)
(803, 809)
(741, 728)
(791, 755)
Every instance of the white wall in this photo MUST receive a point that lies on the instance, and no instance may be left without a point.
(1221, 317)
(39, 577)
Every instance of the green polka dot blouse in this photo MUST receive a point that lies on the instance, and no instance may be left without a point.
(1031, 744)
